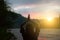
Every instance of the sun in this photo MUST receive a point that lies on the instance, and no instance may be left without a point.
(49, 18)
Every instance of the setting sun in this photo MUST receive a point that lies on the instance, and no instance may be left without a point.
(49, 18)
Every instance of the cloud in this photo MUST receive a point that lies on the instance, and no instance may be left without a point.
(24, 7)
(26, 2)
(15, 3)
(37, 7)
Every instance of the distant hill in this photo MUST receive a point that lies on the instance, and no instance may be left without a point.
(15, 20)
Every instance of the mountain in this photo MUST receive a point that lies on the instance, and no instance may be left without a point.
(14, 19)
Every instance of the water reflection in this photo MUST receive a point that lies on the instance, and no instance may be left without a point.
(45, 34)
(50, 34)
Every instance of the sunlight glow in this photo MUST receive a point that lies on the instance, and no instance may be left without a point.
(49, 18)
(49, 22)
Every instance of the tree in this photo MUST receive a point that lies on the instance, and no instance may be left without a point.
(4, 35)
(3, 12)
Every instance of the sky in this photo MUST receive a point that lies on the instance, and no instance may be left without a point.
(36, 8)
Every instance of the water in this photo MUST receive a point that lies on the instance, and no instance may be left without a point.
(45, 34)
(49, 34)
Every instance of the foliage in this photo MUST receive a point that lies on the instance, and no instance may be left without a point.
(5, 23)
